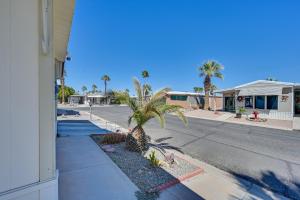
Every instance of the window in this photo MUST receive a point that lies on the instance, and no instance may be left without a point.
(249, 102)
(178, 98)
(260, 102)
(272, 102)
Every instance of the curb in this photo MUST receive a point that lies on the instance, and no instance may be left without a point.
(175, 181)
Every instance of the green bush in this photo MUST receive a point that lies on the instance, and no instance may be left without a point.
(113, 138)
(154, 162)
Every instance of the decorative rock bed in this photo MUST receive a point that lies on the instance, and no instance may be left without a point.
(150, 180)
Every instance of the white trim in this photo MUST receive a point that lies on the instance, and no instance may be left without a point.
(39, 186)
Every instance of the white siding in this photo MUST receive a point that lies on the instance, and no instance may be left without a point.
(19, 122)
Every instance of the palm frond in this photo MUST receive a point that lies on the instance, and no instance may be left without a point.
(138, 90)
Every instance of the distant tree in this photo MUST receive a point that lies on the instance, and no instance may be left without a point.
(198, 89)
(145, 74)
(212, 89)
(84, 89)
(209, 70)
(68, 91)
(94, 88)
(62, 83)
(147, 89)
(105, 78)
(127, 91)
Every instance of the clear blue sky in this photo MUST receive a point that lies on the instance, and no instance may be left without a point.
(253, 39)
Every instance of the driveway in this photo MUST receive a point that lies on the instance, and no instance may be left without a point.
(267, 156)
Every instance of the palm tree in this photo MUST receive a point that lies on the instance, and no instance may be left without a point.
(105, 78)
(145, 75)
(198, 89)
(143, 111)
(84, 89)
(62, 85)
(209, 70)
(212, 89)
(94, 88)
(147, 89)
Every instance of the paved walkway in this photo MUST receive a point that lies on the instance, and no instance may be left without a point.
(87, 173)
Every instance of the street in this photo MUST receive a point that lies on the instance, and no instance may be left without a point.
(269, 157)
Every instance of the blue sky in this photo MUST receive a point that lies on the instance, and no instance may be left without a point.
(253, 39)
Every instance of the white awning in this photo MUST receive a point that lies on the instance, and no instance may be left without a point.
(250, 91)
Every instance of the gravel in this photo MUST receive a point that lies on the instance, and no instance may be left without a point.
(137, 167)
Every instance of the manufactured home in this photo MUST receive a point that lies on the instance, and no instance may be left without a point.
(271, 99)
(192, 100)
(77, 99)
(34, 38)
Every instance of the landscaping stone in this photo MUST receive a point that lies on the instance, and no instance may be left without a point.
(137, 167)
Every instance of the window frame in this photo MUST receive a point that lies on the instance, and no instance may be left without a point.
(252, 102)
(255, 103)
(277, 103)
(178, 97)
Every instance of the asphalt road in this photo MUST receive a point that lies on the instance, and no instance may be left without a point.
(267, 156)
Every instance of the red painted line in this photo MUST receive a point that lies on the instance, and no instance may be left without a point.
(176, 180)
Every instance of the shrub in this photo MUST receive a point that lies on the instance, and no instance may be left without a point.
(113, 138)
(154, 162)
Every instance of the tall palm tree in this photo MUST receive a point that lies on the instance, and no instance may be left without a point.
(143, 111)
(198, 89)
(209, 70)
(62, 85)
(84, 89)
(94, 88)
(105, 78)
(145, 75)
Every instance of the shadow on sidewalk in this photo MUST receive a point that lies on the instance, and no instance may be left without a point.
(270, 181)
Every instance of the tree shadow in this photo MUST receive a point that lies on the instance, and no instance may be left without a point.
(270, 181)
(162, 146)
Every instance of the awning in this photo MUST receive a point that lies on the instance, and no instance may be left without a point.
(250, 91)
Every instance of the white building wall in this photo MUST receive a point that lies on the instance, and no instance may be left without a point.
(19, 123)
(27, 120)
(284, 111)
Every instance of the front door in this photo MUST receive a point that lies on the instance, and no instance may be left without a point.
(297, 102)
(229, 104)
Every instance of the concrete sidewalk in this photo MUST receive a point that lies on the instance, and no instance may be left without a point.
(87, 173)
(218, 184)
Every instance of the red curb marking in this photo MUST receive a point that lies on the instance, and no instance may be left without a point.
(177, 180)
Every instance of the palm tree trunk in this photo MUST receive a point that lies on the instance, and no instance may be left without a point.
(105, 92)
(137, 140)
(207, 86)
(62, 81)
(206, 102)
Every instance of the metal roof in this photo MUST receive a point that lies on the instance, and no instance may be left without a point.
(259, 83)
(185, 93)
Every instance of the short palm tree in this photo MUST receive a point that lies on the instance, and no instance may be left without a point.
(143, 111)
(84, 89)
(209, 70)
(105, 78)
(94, 88)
